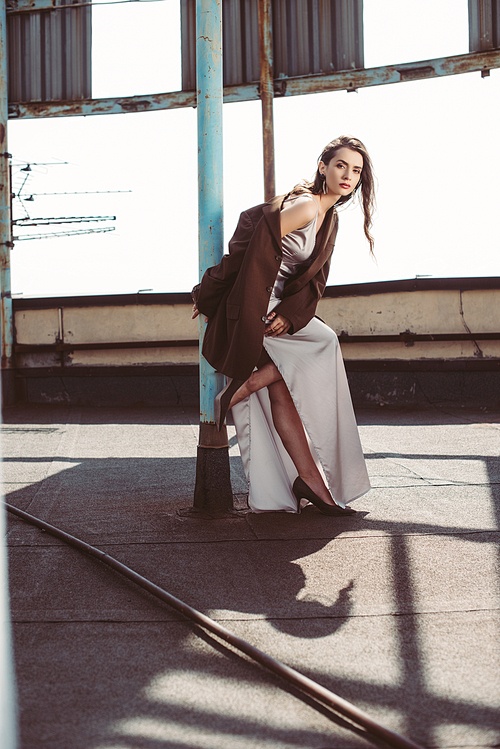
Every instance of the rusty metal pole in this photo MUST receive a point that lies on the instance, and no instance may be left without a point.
(213, 495)
(267, 95)
(6, 328)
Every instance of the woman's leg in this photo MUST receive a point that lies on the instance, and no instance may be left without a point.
(259, 379)
(289, 426)
(287, 423)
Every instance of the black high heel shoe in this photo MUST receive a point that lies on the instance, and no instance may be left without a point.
(302, 491)
(223, 399)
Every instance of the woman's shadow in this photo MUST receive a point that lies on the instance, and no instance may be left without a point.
(313, 619)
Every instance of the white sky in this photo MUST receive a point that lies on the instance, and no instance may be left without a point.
(434, 145)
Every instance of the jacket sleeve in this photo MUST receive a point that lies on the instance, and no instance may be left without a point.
(300, 308)
(208, 294)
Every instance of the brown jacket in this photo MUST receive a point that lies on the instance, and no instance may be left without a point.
(234, 294)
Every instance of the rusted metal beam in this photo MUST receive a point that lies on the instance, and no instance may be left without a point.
(29, 6)
(267, 96)
(414, 71)
(343, 81)
(121, 105)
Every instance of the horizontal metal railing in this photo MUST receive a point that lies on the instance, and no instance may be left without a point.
(404, 337)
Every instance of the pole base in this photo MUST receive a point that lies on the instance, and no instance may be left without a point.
(213, 494)
(194, 514)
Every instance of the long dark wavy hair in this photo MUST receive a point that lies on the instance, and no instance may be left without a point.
(365, 185)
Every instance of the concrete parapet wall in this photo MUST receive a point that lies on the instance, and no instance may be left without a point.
(424, 325)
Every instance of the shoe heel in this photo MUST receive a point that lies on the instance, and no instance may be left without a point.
(301, 489)
(223, 399)
(221, 403)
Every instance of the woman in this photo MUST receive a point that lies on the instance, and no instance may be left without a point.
(286, 385)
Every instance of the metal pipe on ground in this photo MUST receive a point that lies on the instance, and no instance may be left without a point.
(357, 717)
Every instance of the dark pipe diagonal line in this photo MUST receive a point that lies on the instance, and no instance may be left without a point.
(320, 693)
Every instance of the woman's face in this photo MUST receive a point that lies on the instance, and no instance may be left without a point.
(343, 171)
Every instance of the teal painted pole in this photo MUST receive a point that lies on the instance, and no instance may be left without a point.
(213, 495)
(210, 168)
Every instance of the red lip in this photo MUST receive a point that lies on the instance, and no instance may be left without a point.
(344, 184)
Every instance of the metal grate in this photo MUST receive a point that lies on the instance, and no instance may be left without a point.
(317, 36)
(484, 25)
(310, 37)
(49, 54)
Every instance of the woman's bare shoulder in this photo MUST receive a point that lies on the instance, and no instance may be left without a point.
(297, 212)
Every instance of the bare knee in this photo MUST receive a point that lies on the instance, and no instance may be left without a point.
(264, 377)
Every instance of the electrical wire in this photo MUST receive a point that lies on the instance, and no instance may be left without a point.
(349, 711)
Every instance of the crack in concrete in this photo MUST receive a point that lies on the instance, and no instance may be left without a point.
(479, 354)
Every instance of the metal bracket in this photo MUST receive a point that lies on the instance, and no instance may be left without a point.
(280, 87)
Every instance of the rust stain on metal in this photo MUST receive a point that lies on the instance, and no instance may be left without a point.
(24, 6)
(136, 105)
(85, 107)
(2, 133)
(416, 73)
(463, 65)
(266, 91)
(345, 80)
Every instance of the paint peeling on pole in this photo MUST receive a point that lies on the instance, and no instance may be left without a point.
(213, 493)
(210, 176)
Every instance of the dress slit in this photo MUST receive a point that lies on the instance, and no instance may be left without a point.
(312, 368)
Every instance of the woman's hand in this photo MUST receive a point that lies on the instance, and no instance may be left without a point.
(279, 325)
(196, 312)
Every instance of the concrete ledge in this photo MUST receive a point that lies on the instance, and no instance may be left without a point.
(395, 384)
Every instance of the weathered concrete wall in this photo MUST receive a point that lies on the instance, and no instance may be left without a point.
(419, 312)
(75, 350)
(108, 324)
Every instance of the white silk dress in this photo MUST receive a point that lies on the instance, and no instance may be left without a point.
(311, 364)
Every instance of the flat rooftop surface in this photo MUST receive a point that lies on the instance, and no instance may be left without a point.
(395, 609)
